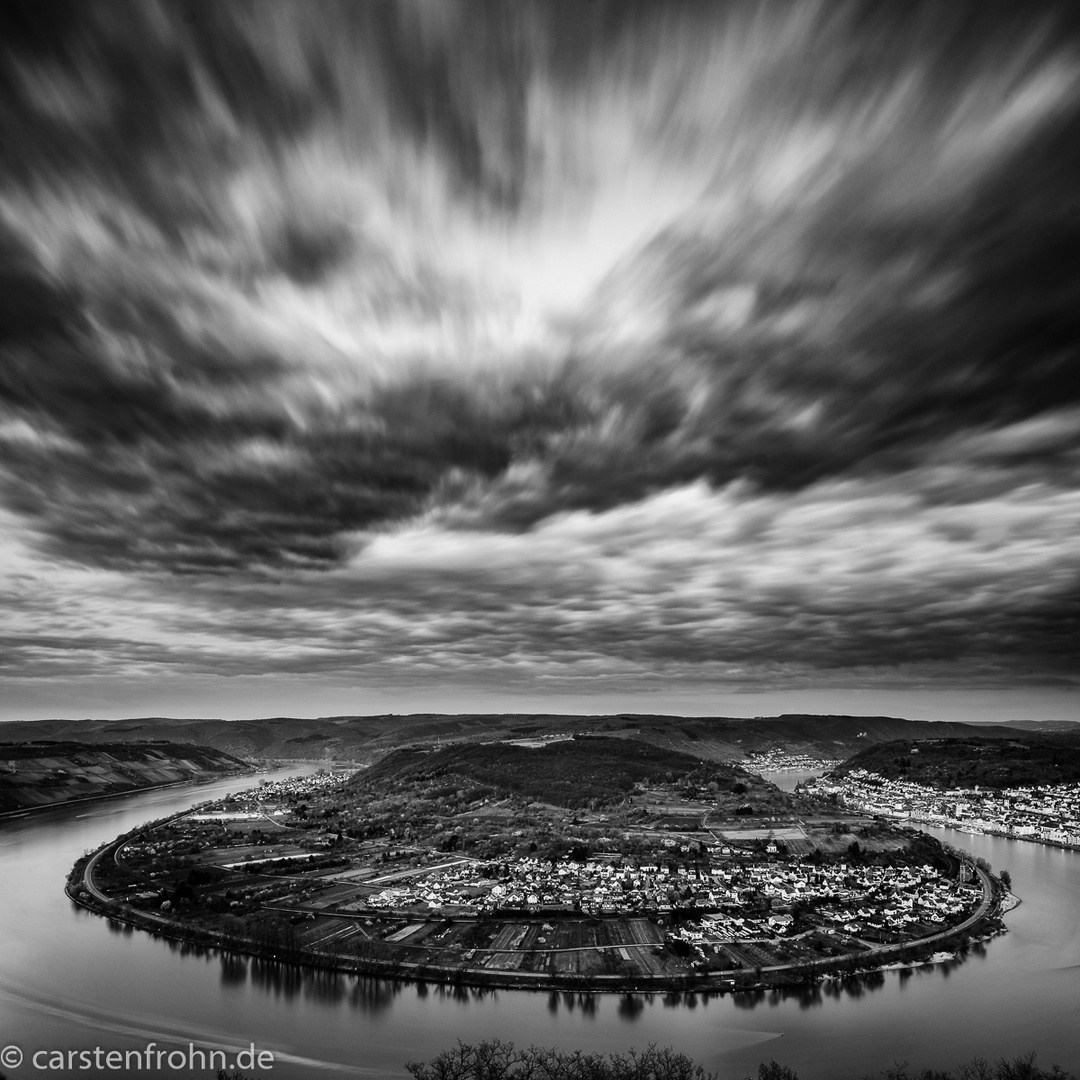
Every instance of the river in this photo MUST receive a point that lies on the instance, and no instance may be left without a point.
(71, 980)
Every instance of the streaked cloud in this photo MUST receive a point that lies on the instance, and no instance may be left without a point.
(727, 346)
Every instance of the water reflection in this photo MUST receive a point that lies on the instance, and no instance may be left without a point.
(324, 987)
(283, 980)
(854, 984)
(748, 999)
(371, 995)
(808, 997)
(464, 995)
(234, 969)
(586, 1003)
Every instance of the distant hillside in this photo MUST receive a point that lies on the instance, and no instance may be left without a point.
(35, 775)
(1042, 727)
(569, 773)
(992, 763)
(366, 738)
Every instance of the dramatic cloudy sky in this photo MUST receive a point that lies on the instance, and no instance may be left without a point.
(666, 356)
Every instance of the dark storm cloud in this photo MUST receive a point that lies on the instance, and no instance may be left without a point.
(674, 338)
(156, 446)
(911, 311)
(873, 333)
(114, 95)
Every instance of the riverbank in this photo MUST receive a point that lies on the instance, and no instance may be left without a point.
(107, 796)
(1004, 834)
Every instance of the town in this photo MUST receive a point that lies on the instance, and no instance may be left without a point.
(767, 761)
(1048, 813)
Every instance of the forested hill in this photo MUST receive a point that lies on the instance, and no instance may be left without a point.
(366, 738)
(992, 763)
(34, 775)
(587, 770)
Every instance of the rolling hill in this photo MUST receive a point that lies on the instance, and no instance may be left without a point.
(573, 772)
(365, 739)
(1020, 761)
(40, 774)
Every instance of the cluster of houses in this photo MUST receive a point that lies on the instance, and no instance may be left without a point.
(852, 898)
(742, 900)
(595, 887)
(289, 788)
(781, 761)
(1050, 813)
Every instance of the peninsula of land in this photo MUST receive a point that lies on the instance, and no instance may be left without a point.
(552, 860)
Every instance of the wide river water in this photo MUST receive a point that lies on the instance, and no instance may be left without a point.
(71, 980)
